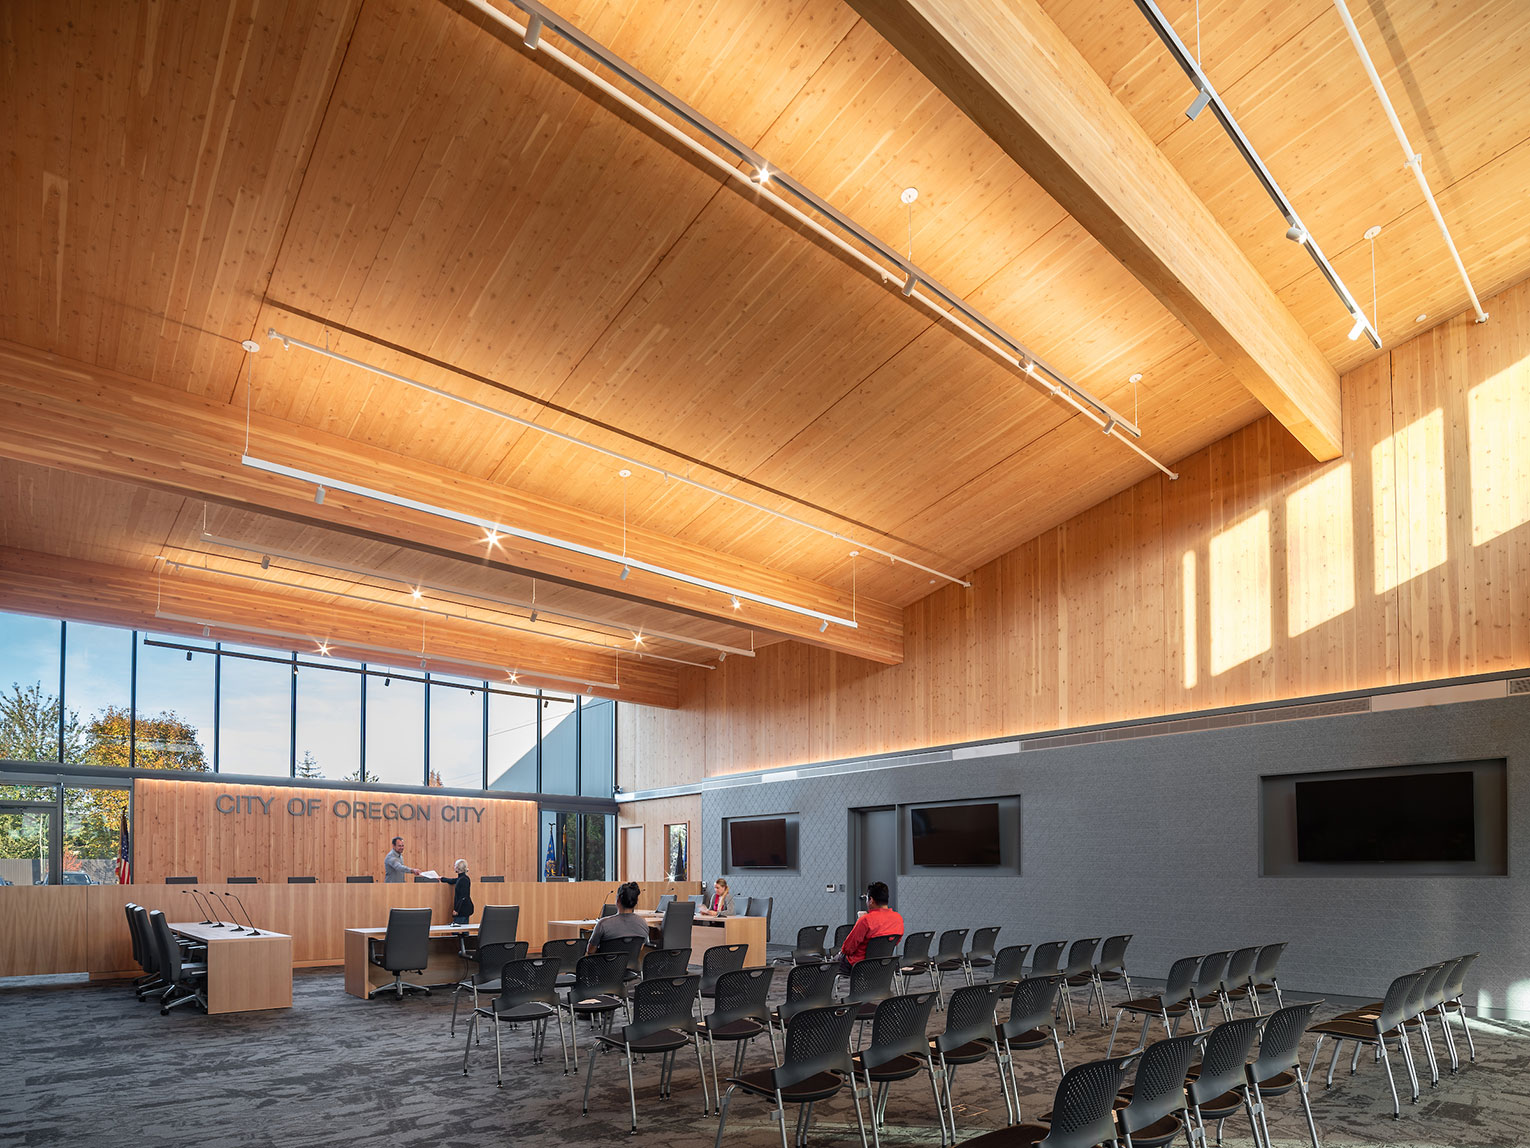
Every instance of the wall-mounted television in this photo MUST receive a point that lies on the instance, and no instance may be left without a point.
(1398, 817)
(956, 834)
(758, 844)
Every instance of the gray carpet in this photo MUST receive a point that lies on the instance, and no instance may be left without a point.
(88, 1064)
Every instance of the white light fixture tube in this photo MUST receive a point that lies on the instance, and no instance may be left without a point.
(541, 539)
(1412, 159)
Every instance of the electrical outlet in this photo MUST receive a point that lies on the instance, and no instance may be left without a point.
(829, 888)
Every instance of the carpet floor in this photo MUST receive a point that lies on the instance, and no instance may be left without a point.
(89, 1064)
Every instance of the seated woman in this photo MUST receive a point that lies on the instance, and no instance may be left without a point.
(721, 904)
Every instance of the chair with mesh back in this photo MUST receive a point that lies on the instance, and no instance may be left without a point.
(490, 958)
(1450, 1002)
(1156, 1108)
(1009, 963)
(980, 953)
(632, 947)
(661, 1025)
(809, 947)
(883, 946)
(1031, 1025)
(741, 1012)
(949, 957)
(663, 963)
(405, 948)
(899, 1049)
(807, 986)
(1428, 995)
(1220, 1086)
(1384, 1024)
(566, 951)
(1111, 967)
(1046, 961)
(527, 995)
(716, 961)
(841, 932)
(1414, 1008)
(970, 1038)
(1081, 1111)
(1168, 1006)
(1239, 975)
(1207, 993)
(597, 992)
(1078, 972)
(915, 958)
(1277, 1069)
(1264, 979)
(815, 1065)
(871, 982)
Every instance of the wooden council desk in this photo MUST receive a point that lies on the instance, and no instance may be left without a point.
(706, 933)
(445, 966)
(244, 972)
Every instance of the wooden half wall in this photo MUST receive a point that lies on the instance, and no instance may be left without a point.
(1260, 575)
(213, 831)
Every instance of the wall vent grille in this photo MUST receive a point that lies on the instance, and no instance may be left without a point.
(1519, 686)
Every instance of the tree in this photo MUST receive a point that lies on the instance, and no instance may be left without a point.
(308, 765)
(29, 726)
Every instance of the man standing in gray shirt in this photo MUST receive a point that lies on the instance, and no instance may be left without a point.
(393, 864)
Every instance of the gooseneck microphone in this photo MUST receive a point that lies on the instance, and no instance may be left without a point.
(235, 926)
(254, 932)
(207, 911)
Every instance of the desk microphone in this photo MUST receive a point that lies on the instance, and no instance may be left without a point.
(236, 926)
(203, 908)
(254, 932)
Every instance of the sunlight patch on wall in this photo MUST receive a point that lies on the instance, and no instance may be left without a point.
(1409, 466)
(1498, 413)
(1320, 550)
(1238, 565)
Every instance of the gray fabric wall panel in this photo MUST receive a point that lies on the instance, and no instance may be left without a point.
(1160, 837)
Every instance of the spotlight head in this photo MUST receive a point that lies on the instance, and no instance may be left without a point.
(318, 496)
(265, 561)
(387, 682)
(736, 603)
(1296, 233)
(533, 616)
(625, 571)
(188, 655)
(824, 627)
(415, 593)
(1359, 327)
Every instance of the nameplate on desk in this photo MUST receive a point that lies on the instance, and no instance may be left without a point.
(344, 809)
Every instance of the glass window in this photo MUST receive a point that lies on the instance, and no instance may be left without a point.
(26, 846)
(675, 845)
(93, 820)
(560, 844)
(98, 685)
(597, 746)
(599, 861)
(513, 743)
(255, 714)
(456, 732)
(329, 722)
(175, 708)
(29, 701)
(559, 745)
(395, 731)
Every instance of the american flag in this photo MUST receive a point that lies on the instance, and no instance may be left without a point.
(124, 854)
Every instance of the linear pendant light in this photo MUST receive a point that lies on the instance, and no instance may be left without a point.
(489, 524)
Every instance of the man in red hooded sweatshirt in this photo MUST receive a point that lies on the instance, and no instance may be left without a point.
(877, 921)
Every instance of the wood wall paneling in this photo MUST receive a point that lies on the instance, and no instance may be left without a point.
(653, 816)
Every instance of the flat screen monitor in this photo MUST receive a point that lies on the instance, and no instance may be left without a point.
(956, 834)
(1396, 818)
(758, 844)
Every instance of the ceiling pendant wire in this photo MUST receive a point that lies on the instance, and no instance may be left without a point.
(854, 554)
(1375, 308)
(1198, 33)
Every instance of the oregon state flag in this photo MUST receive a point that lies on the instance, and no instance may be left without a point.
(550, 865)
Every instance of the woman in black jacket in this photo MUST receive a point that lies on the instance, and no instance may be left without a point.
(462, 901)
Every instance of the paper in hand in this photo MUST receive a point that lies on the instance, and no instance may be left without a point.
(431, 875)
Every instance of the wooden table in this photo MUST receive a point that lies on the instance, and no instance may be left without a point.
(244, 972)
(706, 933)
(445, 967)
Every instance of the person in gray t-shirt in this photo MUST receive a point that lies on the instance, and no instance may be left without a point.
(624, 923)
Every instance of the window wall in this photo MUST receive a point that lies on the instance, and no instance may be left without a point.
(99, 695)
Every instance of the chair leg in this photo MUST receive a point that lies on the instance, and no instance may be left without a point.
(1434, 1065)
(468, 1047)
(1471, 1045)
(1407, 1052)
(631, 1090)
(1057, 1046)
(1301, 1091)
(1387, 1061)
(499, 1060)
(722, 1117)
(940, 1111)
(706, 1099)
(1114, 1028)
(1450, 1041)
(855, 1096)
(780, 1117)
(589, 1075)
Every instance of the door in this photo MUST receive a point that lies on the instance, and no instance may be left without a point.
(632, 853)
(875, 856)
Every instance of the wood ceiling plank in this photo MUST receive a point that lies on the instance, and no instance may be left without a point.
(1014, 73)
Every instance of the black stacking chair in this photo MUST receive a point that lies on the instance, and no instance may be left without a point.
(405, 947)
(1277, 1069)
(740, 1013)
(1384, 1024)
(185, 983)
(1240, 975)
(760, 907)
(980, 951)
(676, 931)
(840, 933)
(527, 995)
(1111, 967)
(597, 991)
(1207, 993)
(915, 958)
(566, 951)
(1009, 963)
(1156, 1109)
(1081, 1111)
(1264, 979)
(716, 961)
(882, 946)
(970, 1038)
(949, 955)
(632, 947)
(815, 1064)
(1078, 972)
(1455, 989)
(1046, 961)
(871, 982)
(665, 963)
(809, 947)
(1172, 1003)
(490, 959)
(661, 1025)
(1031, 1024)
(807, 986)
(899, 1048)
(1220, 1087)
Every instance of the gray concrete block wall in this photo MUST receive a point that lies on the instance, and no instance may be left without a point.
(1159, 836)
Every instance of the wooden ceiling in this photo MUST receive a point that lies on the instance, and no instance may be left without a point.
(401, 183)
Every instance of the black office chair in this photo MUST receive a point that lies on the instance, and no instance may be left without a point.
(760, 907)
(365, 879)
(676, 931)
(405, 948)
(185, 983)
(495, 879)
(809, 947)
(607, 910)
(181, 881)
(242, 881)
(497, 925)
(302, 880)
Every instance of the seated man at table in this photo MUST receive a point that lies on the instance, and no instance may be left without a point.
(623, 923)
(877, 921)
(721, 904)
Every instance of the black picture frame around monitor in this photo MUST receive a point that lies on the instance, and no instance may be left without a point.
(1391, 819)
(956, 835)
(758, 844)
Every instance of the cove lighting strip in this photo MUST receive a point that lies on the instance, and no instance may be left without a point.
(441, 588)
(413, 655)
(762, 179)
(494, 527)
(290, 341)
(1207, 96)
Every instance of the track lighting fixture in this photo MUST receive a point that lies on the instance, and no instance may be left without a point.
(318, 496)
(625, 571)
(1296, 233)
(188, 655)
(265, 561)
